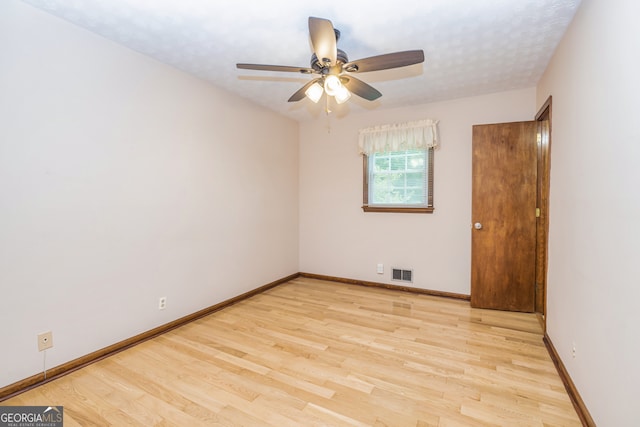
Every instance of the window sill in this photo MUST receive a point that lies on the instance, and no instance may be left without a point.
(398, 209)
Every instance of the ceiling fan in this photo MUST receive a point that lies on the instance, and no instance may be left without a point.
(334, 68)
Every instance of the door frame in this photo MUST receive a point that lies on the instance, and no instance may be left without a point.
(542, 224)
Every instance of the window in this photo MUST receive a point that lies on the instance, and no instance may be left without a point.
(398, 166)
(399, 181)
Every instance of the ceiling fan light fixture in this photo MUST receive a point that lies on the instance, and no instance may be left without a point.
(342, 95)
(314, 92)
(332, 85)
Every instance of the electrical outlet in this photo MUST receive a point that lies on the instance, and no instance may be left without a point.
(573, 350)
(380, 269)
(162, 303)
(45, 340)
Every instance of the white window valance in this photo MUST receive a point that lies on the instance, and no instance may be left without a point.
(399, 137)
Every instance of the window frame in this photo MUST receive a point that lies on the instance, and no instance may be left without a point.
(427, 209)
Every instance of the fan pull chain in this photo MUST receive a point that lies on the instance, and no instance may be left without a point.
(328, 111)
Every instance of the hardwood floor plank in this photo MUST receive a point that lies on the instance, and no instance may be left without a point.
(316, 353)
(334, 418)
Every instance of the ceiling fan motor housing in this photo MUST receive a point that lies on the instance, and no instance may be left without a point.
(341, 58)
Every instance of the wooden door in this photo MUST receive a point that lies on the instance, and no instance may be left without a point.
(503, 242)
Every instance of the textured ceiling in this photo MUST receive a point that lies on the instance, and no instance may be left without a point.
(471, 47)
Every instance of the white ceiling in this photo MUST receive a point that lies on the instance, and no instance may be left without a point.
(471, 47)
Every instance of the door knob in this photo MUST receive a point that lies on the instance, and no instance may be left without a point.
(477, 226)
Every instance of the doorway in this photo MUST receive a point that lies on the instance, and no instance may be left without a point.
(510, 220)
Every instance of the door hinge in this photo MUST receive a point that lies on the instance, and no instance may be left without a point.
(537, 212)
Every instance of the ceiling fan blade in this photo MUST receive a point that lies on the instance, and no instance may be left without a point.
(284, 68)
(385, 62)
(323, 40)
(360, 88)
(300, 94)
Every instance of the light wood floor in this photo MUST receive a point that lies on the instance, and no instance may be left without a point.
(316, 353)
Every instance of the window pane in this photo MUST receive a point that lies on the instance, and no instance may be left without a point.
(415, 162)
(415, 180)
(381, 163)
(415, 198)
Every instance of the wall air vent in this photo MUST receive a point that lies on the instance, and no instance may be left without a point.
(402, 275)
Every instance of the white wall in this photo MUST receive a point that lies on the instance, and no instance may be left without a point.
(123, 180)
(338, 239)
(594, 241)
